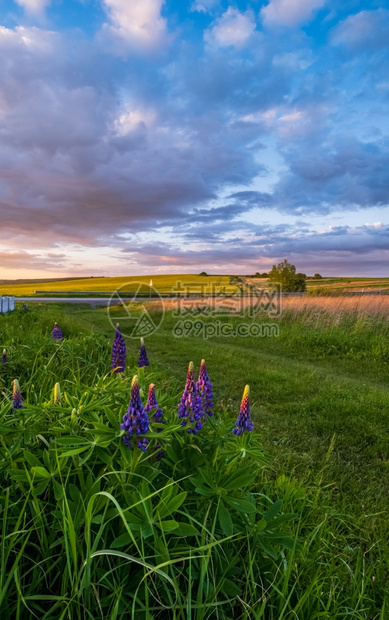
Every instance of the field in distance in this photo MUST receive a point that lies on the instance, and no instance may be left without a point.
(167, 283)
(162, 283)
(334, 285)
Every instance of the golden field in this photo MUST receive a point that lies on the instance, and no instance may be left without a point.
(162, 283)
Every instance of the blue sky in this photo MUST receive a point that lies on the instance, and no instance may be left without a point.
(143, 136)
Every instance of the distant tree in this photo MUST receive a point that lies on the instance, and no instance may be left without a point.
(203, 274)
(317, 276)
(285, 274)
(299, 284)
(261, 275)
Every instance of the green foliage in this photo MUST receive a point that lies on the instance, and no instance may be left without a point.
(285, 274)
(92, 529)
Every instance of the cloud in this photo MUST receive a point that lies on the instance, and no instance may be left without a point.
(342, 174)
(27, 260)
(333, 251)
(137, 23)
(233, 28)
(289, 13)
(204, 6)
(34, 6)
(367, 30)
(192, 155)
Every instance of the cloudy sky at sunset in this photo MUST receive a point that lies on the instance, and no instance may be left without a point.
(152, 136)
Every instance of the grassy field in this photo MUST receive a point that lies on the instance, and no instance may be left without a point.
(191, 283)
(320, 401)
(163, 283)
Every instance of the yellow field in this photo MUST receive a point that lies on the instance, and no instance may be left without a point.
(162, 283)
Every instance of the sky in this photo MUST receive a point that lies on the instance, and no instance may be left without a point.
(152, 136)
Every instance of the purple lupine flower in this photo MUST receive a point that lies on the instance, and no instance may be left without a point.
(135, 421)
(118, 352)
(56, 334)
(4, 357)
(143, 359)
(16, 396)
(204, 388)
(190, 408)
(243, 422)
(152, 403)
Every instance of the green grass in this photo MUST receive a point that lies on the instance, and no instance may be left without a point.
(320, 401)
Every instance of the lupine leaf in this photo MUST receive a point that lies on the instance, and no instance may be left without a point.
(225, 520)
(242, 505)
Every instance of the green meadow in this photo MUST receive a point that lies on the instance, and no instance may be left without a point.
(290, 521)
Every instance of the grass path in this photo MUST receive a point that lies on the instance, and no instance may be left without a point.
(301, 399)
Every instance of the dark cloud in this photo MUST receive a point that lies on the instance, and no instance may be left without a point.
(343, 173)
(262, 247)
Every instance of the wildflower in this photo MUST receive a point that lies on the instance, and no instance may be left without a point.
(16, 396)
(57, 394)
(190, 407)
(118, 351)
(204, 388)
(4, 357)
(152, 403)
(56, 334)
(243, 422)
(135, 421)
(143, 359)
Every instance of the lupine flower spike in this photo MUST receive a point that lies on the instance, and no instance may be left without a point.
(135, 421)
(56, 334)
(204, 388)
(118, 352)
(16, 396)
(4, 357)
(152, 403)
(57, 394)
(143, 359)
(190, 408)
(243, 422)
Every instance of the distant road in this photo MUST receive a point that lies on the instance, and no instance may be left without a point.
(95, 301)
